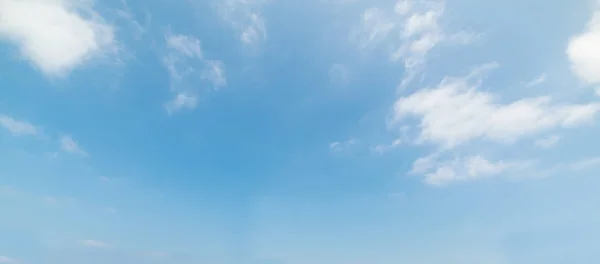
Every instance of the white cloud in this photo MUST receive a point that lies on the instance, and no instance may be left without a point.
(56, 35)
(342, 145)
(215, 73)
(245, 17)
(456, 112)
(94, 244)
(586, 164)
(536, 81)
(185, 45)
(7, 260)
(469, 169)
(67, 144)
(547, 142)
(187, 67)
(597, 91)
(412, 30)
(584, 54)
(383, 148)
(375, 27)
(181, 101)
(17, 127)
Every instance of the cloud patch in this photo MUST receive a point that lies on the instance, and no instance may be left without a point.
(583, 52)
(409, 33)
(458, 111)
(56, 35)
(246, 19)
(461, 170)
(17, 127)
(69, 145)
(187, 67)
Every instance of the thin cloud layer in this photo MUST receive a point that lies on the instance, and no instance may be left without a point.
(56, 35)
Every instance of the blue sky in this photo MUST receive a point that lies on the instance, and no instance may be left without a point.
(288, 132)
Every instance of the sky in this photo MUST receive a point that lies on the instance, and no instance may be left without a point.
(291, 132)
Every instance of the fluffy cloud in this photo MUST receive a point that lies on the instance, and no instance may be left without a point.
(67, 144)
(584, 54)
(457, 111)
(245, 17)
(412, 30)
(17, 127)
(468, 169)
(55, 35)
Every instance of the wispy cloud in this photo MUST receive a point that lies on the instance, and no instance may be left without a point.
(56, 36)
(338, 74)
(342, 145)
(7, 260)
(536, 81)
(246, 19)
(547, 142)
(586, 164)
(440, 173)
(69, 145)
(412, 29)
(383, 148)
(17, 127)
(215, 73)
(154, 254)
(93, 244)
(49, 200)
(186, 67)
